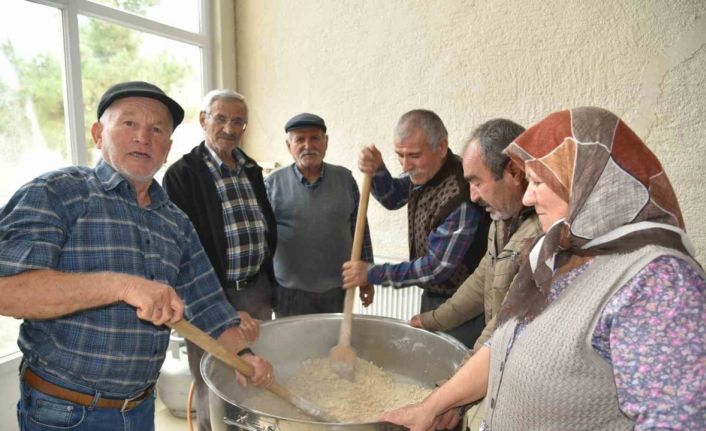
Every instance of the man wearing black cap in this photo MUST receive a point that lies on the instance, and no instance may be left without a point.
(96, 261)
(221, 189)
(315, 205)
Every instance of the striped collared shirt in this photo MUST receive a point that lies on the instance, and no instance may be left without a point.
(83, 220)
(244, 222)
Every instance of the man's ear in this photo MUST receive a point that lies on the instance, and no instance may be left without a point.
(515, 172)
(202, 119)
(96, 131)
(443, 147)
(166, 155)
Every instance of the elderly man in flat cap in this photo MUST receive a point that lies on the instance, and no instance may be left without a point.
(315, 205)
(96, 261)
(221, 189)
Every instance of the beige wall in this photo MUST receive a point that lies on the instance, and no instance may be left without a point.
(361, 64)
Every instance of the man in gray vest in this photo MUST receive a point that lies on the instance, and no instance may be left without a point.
(315, 206)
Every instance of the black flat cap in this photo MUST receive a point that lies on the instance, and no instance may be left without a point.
(140, 89)
(305, 120)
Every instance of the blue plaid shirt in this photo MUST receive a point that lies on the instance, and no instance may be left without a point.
(82, 220)
(446, 245)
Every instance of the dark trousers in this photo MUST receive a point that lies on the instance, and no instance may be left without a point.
(468, 332)
(294, 302)
(256, 299)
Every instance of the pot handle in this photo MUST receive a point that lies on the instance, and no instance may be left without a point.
(241, 422)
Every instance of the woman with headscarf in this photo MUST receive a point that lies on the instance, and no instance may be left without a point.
(604, 328)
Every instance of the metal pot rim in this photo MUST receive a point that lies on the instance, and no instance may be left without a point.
(323, 316)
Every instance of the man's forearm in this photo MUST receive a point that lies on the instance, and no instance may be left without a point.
(392, 193)
(465, 304)
(47, 294)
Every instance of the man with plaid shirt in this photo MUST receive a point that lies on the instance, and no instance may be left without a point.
(96, 261)
(222, 191)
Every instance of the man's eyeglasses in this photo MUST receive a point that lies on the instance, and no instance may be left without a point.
(235, 123)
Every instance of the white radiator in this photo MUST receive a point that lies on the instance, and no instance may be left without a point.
(390, 302)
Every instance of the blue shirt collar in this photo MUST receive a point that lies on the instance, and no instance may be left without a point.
(111, 179)
(302, 179)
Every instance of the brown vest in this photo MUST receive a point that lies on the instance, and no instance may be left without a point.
(428, 207)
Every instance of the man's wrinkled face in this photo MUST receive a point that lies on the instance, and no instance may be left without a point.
(502, 198)
(308, 147)
(224, 125)
(134, 136)
(418, 158)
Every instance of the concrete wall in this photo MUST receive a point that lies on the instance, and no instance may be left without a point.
(361, 64)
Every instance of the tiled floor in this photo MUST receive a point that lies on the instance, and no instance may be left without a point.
(164, 421)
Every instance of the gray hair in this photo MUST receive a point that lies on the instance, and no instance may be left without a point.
(493, 136)
(425, 120)
(221, 94)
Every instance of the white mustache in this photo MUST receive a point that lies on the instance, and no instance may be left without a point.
(412, 173)
(309, 153)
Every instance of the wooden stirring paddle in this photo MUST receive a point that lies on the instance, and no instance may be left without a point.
(210, 345)
(342, 355)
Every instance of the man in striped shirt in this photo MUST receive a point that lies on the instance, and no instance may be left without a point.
(447, 232)
(96, 261)
(222, 191)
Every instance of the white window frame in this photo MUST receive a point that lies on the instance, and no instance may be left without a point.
(71, 67)
(73, 91)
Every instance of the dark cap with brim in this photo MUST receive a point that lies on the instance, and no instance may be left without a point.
(141, 89)
(305, 120)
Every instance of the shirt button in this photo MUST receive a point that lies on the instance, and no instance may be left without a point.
(152, 277)
(492, 403)
(147, 241)
(502, 366)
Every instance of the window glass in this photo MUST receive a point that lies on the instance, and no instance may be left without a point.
(32, 130)
(33, 133)
(186, 16)
(112, 53)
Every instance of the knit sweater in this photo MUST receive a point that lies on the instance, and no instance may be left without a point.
(428, 207)
(313, 228)
(549, 377)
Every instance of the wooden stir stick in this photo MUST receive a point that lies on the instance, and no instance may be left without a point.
(210, 345)
(343, 355)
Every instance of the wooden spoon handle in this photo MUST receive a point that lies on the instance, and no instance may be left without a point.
(210, 345)
(356, 252)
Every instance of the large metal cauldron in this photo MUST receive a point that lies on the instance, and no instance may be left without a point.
(417, 355)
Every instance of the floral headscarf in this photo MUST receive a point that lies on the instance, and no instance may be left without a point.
(619, 198)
